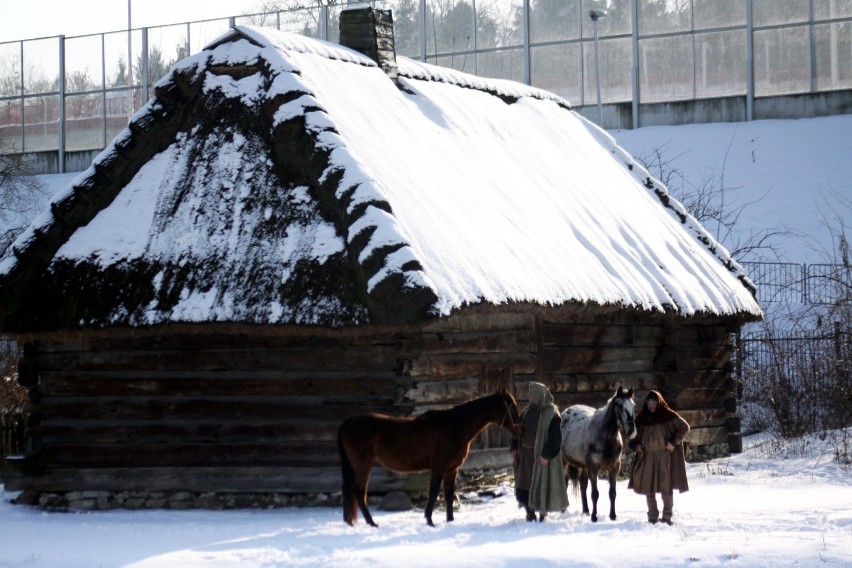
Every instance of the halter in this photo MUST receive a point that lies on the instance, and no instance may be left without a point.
(616, 416)
(508, 413)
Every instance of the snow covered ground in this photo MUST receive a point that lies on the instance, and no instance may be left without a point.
(763, 507)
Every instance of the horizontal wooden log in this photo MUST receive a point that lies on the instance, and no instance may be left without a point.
(366, 359)
(477, 322)
(711, 401)
(469, 364)
(510, 341)
(584, 383)
(202, 408)
(715, 378)
(707, 436)
(593, 399)
(699, 398)
(245, 479)
(211, 383)
(190, 455)
(556, 335)
(705, 417)
(696, 358)
(206, 337)
(575, 360)
(246, 431)
(248, 479)
(443, 392)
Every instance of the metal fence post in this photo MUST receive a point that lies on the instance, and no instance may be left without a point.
(527, 56)
(103, 88)
(21, 94)
(475, 39)
(811, 47)
(422, 10)
(145, 56)
(634, 70)
(62, 116)
(749, 61)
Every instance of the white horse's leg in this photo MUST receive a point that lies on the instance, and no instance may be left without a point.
(584, 485)
(613, 475)
(593, 478)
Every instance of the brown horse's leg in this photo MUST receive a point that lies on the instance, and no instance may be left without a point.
(434, 486)
(613, 473)
(450, 492)
(362, 478)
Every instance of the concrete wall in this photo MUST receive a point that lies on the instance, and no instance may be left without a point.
(615, 117)
(47, 162)
(724, 109)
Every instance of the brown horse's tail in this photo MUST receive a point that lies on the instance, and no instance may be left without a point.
(350, 505)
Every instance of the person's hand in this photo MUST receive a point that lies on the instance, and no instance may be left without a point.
(543, 461)
(669, 447)
(514, 454)
(639, 449)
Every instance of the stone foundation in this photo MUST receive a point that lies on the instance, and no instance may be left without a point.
(473, 481)
(104, 500)
(708, 452)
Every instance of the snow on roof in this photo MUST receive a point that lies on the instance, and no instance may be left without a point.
(473, 189)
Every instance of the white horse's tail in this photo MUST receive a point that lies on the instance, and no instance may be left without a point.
(572, 474)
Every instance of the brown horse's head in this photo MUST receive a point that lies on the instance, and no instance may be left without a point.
(511, 419)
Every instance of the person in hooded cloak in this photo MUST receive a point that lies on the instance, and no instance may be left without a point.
(659, 465)
(539, 481)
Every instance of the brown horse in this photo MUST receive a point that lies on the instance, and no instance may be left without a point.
(437, 441)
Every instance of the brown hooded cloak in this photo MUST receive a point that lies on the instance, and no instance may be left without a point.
(656, 470)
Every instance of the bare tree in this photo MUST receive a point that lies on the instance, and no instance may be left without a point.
(713, 203)
(20, 196)
(301, 12)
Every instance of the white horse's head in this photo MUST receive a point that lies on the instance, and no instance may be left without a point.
(624, 409)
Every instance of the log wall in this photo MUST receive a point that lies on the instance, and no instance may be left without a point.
(247, 409)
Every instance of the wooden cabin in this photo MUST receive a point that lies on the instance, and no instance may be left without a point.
(293, 232)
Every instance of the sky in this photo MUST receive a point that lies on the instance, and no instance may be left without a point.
(46, 18)
(773, 505)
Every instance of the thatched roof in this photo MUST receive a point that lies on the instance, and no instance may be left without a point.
(279, 179)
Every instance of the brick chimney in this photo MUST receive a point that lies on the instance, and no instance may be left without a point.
(370, 31)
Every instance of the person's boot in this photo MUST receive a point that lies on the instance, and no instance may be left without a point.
(541, 517)
(530, 515)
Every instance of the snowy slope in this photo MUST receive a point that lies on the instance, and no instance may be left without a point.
(793, 177)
